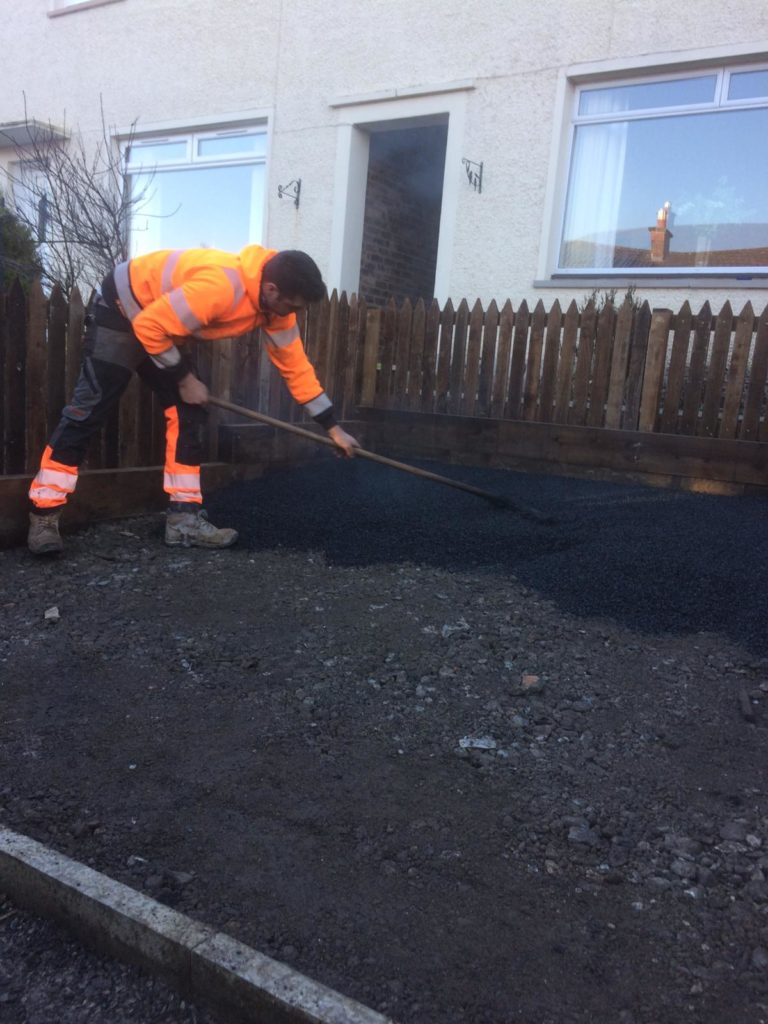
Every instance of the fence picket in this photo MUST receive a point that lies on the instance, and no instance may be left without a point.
(340, 349)
(399, 396)
(696, 370)
(57, 354)
(653, 377)
(429, 358)
(416, 357)
(601, 369)
(371, 356)
(619, 365)
(517, 364)
(445, 348)
(468, 401)
(751, 427)
(37, 426)
(549, 363)
(503, 355)
(676, 372)
(737, 370)
(713, 388)
(565, 367)
(533, 363)
(487, 358)
(638, 350)
(458, 358)
(583, 372)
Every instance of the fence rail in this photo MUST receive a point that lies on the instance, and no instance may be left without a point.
(632, 368)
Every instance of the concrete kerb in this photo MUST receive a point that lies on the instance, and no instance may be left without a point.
(236, 981)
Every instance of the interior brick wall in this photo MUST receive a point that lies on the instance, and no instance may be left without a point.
(402, 214)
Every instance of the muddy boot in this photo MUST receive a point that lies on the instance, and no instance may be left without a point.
(193, 530)
(44, 537)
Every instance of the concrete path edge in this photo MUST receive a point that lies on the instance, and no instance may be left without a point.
(207, 966)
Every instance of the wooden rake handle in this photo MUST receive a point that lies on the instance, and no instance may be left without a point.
(361, 453)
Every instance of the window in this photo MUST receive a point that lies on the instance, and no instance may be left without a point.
(668, 174)
(201, 189)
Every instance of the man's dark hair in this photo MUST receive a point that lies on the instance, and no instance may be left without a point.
(295, 274)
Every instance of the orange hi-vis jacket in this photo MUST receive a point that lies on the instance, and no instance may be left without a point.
(172, 295)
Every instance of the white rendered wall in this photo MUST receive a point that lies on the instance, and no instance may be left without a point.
(315, 67)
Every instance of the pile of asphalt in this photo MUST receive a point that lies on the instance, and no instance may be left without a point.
(654, 560)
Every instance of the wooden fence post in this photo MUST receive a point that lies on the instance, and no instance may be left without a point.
(37, 377)
(655, 362)
(734, 389)
(638, 350)
(751, 429)
(370, 356)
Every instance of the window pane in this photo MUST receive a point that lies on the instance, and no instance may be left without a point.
(210, 207)
(623, 173)
(748, 85)
(677, 92)
(147, 154)
(254, 144)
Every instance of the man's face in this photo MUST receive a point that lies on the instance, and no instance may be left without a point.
(280, 305)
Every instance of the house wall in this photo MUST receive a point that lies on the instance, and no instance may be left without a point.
(312, 69)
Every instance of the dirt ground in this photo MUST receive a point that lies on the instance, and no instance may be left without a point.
(457, 765)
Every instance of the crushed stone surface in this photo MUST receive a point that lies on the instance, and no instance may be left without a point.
(458, 765)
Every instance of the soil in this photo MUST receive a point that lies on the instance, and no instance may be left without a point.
(458, 765)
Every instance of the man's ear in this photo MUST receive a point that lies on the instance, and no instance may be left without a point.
(270, 291)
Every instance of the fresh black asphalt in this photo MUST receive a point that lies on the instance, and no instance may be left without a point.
(655, 560)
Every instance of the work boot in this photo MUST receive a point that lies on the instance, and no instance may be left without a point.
(193, 530)
(44, 537)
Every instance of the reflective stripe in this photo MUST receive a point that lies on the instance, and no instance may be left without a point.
(124, 293)
(283, 338)
(54, 495)
(237, 284)
(183, 310)
(318, 405)
(168, 269)
(171, 357)
(186, 485)
(53, 477)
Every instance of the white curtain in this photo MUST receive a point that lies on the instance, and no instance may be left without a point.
(594, 188)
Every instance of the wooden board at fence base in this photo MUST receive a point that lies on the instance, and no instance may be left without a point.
(482, 442)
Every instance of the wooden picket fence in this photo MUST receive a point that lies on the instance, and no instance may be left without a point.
(630, 369)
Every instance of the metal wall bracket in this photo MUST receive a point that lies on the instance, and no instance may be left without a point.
(474, 173)
(292, 190)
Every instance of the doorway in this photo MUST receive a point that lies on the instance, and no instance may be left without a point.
(403, 206)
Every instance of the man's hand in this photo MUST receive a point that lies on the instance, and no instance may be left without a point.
(343, 440)
(192, 390)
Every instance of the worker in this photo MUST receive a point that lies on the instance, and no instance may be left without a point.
(146, 309)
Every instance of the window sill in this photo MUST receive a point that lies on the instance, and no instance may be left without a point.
(745, 281)
(80, 6)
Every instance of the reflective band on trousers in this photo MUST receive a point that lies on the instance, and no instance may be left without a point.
(56, 480)
(318, 405)
(47, 495)
(186, 484)
(283, 338)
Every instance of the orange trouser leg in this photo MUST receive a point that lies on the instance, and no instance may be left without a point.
(180, 482)
(54, 482)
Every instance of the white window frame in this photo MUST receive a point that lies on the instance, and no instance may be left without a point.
(192, 136)
(661, 67)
